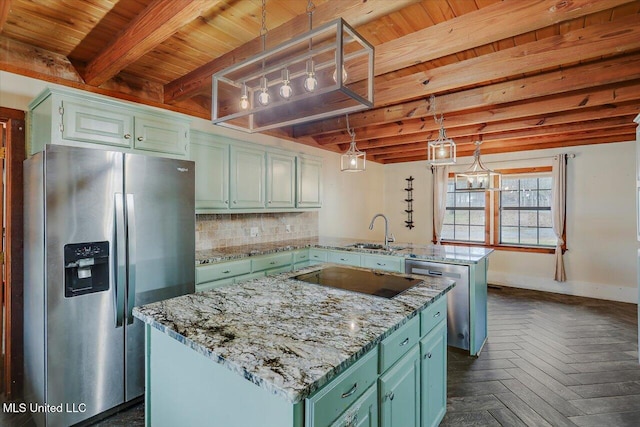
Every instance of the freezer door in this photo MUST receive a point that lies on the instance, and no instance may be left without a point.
(160, 210)
(84, 348)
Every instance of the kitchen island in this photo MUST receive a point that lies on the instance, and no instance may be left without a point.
(275, 350)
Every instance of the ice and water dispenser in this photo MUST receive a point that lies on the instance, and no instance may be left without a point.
(86, 267)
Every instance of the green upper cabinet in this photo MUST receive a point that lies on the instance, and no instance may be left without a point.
(212, 171)
(156, 134)
(92, 122)
(281, 180)
(309, 182)
(240, 177)
(66, 117)
(247, 184)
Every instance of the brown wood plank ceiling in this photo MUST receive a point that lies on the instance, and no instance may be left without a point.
(519, 75)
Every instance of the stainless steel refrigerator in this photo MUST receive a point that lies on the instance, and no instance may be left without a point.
(104, 231)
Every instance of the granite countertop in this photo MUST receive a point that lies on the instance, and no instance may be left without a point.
(287, 336)
(443, 253)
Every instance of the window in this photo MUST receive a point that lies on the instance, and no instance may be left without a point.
(465, 219)
(519, 216)
(525, 211)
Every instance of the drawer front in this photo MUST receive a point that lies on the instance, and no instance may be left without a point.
(301, 255)
(283, 269)
(327, 404)
(387, 263)
(348, 258)
(215, 284)
(397, 344)
(222, 270)
(363, 413)
(267, 262)
(318, 255)
(433, 315)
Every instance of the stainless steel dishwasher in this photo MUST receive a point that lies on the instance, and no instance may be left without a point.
(458, 309)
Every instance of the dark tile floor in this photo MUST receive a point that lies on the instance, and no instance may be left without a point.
(551, 360)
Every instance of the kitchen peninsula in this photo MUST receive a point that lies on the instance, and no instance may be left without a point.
(277, 351)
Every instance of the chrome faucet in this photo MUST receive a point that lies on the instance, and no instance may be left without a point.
(387, 238)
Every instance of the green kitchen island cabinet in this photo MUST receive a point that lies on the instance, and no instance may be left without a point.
(280, 352)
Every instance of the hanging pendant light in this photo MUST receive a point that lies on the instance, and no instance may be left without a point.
(478, 177)
(353, 160)
(285, 90)
(442, 151)
(299, 73)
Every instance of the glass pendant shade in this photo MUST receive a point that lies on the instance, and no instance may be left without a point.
(478, 177)
(442, 151)
(353, 160)
(300, 86)
(285, 90)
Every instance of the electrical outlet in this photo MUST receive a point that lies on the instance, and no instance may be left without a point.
(287, 228)
(254, 232)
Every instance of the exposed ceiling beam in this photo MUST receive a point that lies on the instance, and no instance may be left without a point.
(157, 22)
(484, 24)
(5, 8)
(579, 45)
(614, 70)
(355, 12)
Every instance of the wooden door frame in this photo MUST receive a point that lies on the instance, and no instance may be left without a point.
(15, 154)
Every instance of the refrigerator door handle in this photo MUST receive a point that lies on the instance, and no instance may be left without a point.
(120, 261)
(131, 239)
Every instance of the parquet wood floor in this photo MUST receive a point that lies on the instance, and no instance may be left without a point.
(550, 360)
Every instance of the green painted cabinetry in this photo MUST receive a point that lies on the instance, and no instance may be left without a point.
(247, 182)
(82, 119)
(212, 171)
(399, 392)
(433, 376)
(281, 180)
(309, 182)
(363, 413)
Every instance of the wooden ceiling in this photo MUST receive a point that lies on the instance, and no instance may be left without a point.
(516, 74)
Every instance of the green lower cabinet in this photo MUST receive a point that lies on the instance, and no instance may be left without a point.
(399, 392)
(433, 375)
(363, 413)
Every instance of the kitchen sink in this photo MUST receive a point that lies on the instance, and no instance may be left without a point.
(375, 246)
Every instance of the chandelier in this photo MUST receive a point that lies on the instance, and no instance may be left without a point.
(297, 81)
(478, 177)
(353, 160)
(442, 151)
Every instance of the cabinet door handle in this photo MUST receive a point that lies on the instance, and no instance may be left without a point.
(436, 315)
(405, 342)
(226, 272)
(269, 201)
(272, 262)
(140, 138)
(390, 395)
(350, 392)
(381, 264)
(235, 201)
(427, 356)
(342, 259)
(226, 202)
(127, 136)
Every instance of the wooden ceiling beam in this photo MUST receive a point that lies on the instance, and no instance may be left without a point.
(613, 70)
(157, 22)
(579, 45)
(355, 12)
(611, 125)
(485, 26)
(624, 133)
(5, 8)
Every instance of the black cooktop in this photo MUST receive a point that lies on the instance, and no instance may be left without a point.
(364, 281)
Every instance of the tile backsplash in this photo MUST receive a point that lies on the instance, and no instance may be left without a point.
(223, 230)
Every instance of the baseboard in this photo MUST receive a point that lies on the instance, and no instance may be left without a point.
(575, 288)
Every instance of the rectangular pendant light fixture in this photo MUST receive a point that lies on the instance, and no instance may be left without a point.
(297, 81)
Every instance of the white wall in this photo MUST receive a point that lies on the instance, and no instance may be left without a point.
(350, 199)
(602, 256)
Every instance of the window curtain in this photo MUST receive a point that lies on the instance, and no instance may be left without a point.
(558, 209)
(440, 181)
